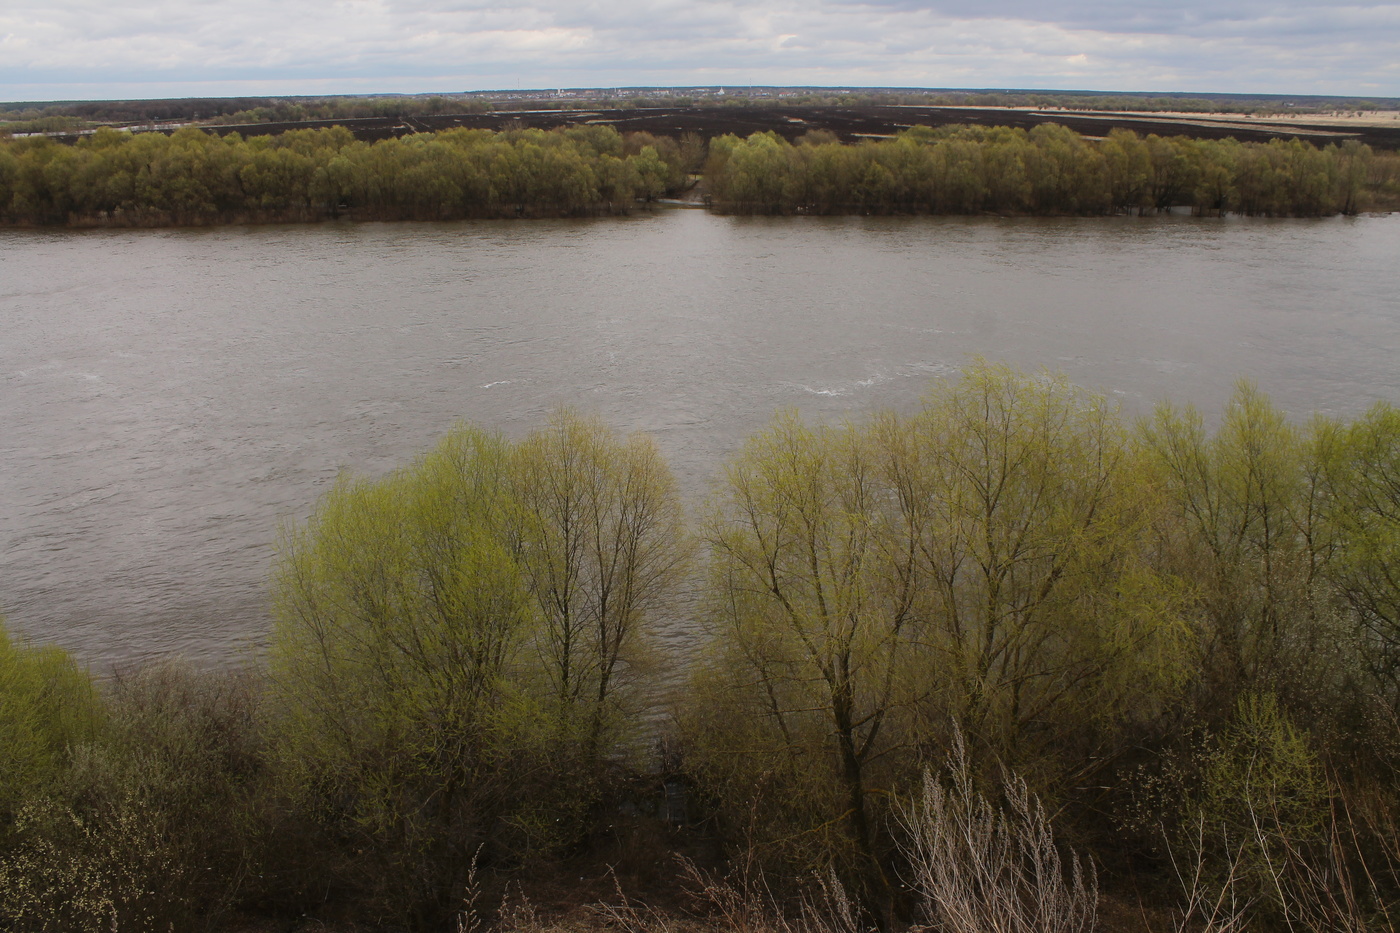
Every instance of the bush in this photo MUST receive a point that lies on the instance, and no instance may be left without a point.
(140, 830)
(46, 706)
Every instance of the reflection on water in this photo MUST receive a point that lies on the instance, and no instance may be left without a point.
(167, 397)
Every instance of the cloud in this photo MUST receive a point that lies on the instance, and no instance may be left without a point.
(1195, 18)
(155, 47)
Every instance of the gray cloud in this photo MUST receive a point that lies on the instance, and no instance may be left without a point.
(68, 48)
(1170, 17)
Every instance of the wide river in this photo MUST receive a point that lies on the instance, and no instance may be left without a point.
(167, 398)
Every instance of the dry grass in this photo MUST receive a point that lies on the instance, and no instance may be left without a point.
(981, 869)
(1329, 885)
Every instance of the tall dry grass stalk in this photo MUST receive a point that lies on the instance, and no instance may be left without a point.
(1210, 907)
(1329, 885)
(980, 869)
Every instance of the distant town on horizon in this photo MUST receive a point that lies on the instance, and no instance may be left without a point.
(795, 93)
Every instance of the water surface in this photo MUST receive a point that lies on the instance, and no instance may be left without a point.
(168, 397)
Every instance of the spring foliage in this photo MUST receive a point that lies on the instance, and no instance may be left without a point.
(193, 177)
(456, 641)
(1048, 170)
(980, 561)
(1179, 641)
(47, 705)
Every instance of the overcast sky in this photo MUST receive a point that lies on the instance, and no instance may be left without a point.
(81, 49)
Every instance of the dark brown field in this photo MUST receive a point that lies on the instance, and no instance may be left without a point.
(849, 123)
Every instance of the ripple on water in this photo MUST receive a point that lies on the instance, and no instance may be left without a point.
(167, 397)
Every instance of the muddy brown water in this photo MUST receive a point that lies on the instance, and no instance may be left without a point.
(168, 397)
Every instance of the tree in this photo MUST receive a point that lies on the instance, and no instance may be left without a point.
(598, 529)
(651, 173)
(1363, 510)
(1128, 169)
(979, 562)
(1353, 161)
(399, 613)
(453, 641)
(1242, 531)
(1047, 626)
(812, 598)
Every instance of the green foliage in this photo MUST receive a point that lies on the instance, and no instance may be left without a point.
(1262, 769)
(1049, 170)
(1048, 613)
(399, 612)
(454, 644)
(980, 561)
(1364, 508)
(141, 828)
(811, 595)
(1246, 526)
(47, 706)
(598, 528)
(192, 177)
(1261, 800)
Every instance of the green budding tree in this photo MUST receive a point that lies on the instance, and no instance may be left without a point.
(451, 644)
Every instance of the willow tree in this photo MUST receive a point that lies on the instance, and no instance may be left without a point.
(1046, 625)
(978, 562)
(811, 598)
(597, 526)
(1363, 512)
(399, 611)
(451, 640)
(1244, 528)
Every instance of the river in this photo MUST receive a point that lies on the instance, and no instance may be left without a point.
(167, 398)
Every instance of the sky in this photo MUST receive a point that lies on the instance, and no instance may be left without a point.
(107, 49)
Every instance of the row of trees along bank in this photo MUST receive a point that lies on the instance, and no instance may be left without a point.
(1048, 170)
(1183, 642)
(192, 177)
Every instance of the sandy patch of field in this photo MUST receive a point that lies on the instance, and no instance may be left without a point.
(1341, 120)
(1364, 118)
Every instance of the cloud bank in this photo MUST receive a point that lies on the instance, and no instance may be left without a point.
(153, 48)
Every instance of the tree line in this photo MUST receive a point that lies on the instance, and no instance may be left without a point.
(925, 633)
(192, 177)
(1048, 170)
(31, 117)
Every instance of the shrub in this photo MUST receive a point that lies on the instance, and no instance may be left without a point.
(139, 830)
